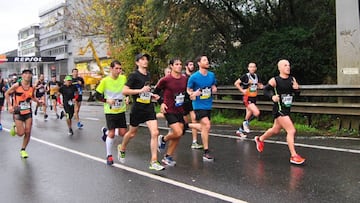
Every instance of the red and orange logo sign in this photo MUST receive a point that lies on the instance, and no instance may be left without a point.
(3, 59)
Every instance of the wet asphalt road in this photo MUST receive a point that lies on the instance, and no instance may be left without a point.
(63, 168)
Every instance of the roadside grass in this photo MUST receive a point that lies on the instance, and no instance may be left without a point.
(321, 126)
(219, 118)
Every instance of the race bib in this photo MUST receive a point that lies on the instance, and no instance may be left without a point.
(117, 105)
(286, 100)
(179, 99)
(144, 98)
(205, 93)
(1, 95)
(41, 90)
(25, 106)
(79, 89)
(70, 102)
(253, 88)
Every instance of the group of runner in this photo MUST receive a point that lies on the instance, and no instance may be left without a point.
(280, 89)
(182, 94)
(19, 95)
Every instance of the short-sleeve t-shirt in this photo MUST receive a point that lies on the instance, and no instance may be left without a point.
(203, 83)
(173, 92)
(142, 101)
(68, 93)
(112, 89)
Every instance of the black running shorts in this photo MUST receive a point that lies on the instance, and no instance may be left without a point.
(115, 121)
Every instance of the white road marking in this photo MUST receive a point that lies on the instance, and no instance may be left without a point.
(149, 175)
(285, 143)
(90, 118)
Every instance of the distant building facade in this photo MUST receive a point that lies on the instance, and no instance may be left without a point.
(52, 38)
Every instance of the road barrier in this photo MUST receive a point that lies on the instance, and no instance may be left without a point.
(342, 101)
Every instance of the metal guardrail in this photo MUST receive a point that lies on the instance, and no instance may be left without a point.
(340, 100)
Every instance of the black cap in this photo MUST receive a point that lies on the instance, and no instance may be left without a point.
(139, 56)
(26, 71)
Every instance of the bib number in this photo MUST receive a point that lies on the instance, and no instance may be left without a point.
(287, 100)
(117, 105)
(24, 107)
(253, 88)
(205, 93)
(179, 99)
(144, 98)
(41, 90)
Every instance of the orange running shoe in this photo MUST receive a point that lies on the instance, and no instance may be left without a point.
(297, 159)
(259, 144)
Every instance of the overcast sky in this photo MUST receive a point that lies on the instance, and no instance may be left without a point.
(15, 15)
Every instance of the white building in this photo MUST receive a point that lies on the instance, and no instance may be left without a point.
(57, 41)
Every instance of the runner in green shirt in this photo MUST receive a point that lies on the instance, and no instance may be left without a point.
(110, 92)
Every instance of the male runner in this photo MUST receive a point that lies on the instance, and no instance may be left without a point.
(248, 84)
(40, 90)
(110, 92)
(189, 70)
(2, 96)
(53, 87)
(174, 88)
(200, 87)
(142, 110)
(69, 94)
(281, 89)
(79, 84)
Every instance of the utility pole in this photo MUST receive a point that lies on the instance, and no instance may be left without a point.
(348, 42)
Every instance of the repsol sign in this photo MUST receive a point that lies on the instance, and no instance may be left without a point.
(35, 59)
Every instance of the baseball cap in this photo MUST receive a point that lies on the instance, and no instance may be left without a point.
(68, 77)
(26, 71)
(139, 56)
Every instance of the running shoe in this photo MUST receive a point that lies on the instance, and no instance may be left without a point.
(12, 130)
(57, 116)
(103, 137)
(168, 161)
(155, 165)
(45, 116)
(109, 160)
(161, 143)
(79, 125)
(297, 159)
(195, 145)
(121, 154)
(240, 133)
(62, 114)
(246, 126)
(208, 157)
(0, 127)
(24, 154)
(259, 144)
(71, 132)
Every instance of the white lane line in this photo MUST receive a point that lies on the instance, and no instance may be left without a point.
(90, 118)
(356, 151)
(296, 144)
(149, 175)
